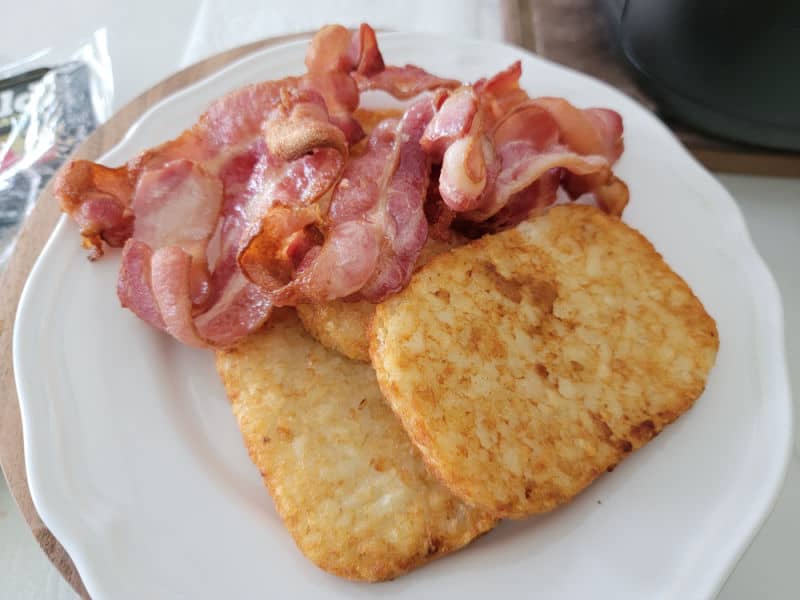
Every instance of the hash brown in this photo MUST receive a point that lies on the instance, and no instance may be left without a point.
(347, 482)
(527, 363)
(340, 326)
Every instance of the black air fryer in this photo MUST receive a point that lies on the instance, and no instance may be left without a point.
(729, 68)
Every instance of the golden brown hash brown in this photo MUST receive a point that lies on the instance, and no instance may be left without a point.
(347, 482)
(339, 325)
(527, 363)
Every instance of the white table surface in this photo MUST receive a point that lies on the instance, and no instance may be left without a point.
(150, 39)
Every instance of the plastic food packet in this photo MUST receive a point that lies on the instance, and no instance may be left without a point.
(49, 103)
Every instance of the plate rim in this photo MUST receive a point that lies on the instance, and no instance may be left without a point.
(770, 334)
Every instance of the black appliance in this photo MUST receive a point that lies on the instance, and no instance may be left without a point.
(727, 67)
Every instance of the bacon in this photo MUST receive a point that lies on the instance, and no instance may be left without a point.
(135, 283)
(403, 82)
(286, 189)
(283, 209)
(336, 48)
(526, 147)
(353, 63)
(501, 92)
(164, 273)
(398, 209)
(341, 97)
(588, 131)
(453, 120)
(171, 275)
(371, 234)
(457, 137)
(270, 200)
(591, 131)
(98, 199)
(178, 205)
(494, 143)
(609, 191)
(530, 201)
(236, 306)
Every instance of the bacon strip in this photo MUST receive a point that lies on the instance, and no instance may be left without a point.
(236, 306)
(526, 143)
(403, 82)
(457, 137)
(494, 143)
(532, 200)
(588, 131)
(177, 208)
(341, 97)
(135, 283)
(336, 48)
(398, 210)
(98, 199)
(439, 216)
(501, 93)
(179, 205)
(171, 272)
(368, 241)
(352, 63)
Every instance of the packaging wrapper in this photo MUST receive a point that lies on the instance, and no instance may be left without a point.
(49, 103)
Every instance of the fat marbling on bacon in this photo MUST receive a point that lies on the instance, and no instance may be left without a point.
(263, 203)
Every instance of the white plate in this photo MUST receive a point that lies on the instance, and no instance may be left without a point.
(136, 465)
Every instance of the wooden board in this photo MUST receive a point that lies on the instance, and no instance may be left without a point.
(32, 238)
